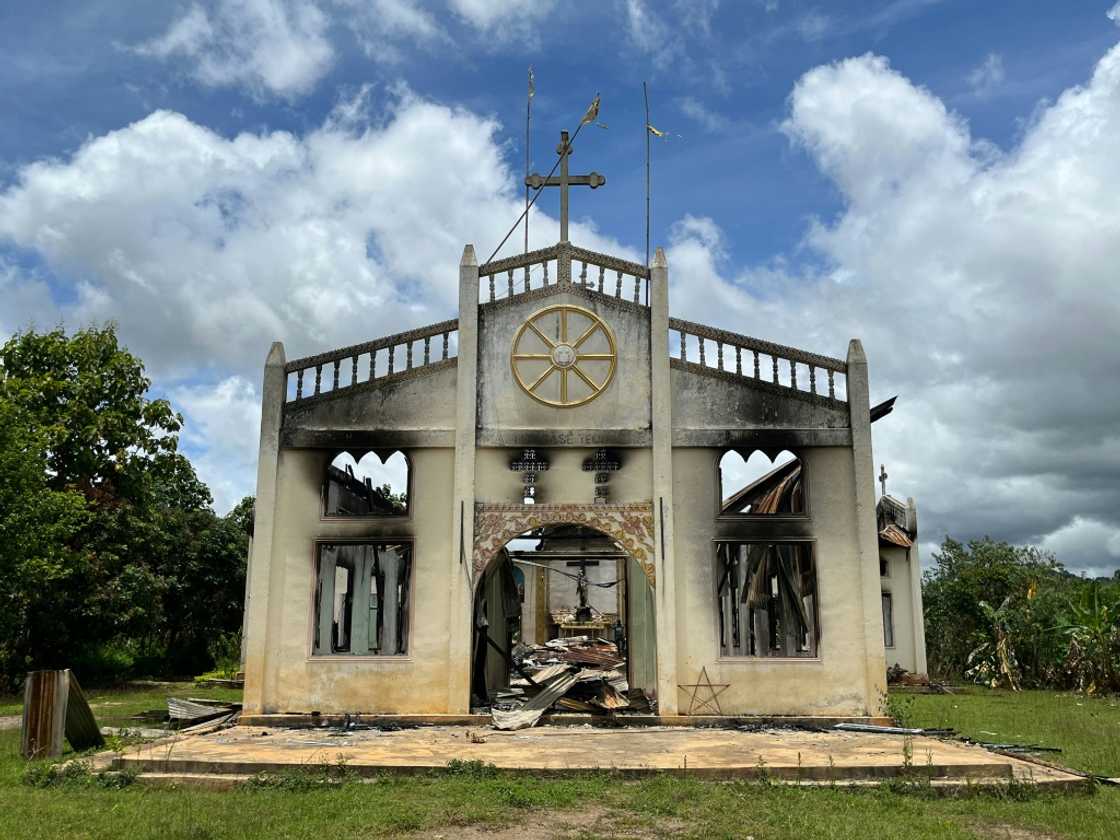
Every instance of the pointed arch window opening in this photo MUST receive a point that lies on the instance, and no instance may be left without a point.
(762, 486)
(367, 484)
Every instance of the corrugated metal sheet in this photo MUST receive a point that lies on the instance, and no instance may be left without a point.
(894, 535)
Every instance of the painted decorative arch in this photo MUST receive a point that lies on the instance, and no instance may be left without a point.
(630, 525)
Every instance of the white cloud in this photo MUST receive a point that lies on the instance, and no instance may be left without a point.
(986, 77)
(270, 47)
(984, 291)
(220, 432)
(697, 15)
(207, 248)
(505, 19)
(696, 110)
(204, 249)
(27, 302)
(1094, 543)
(1113, 14)
(650, 34)
(813, 25)
(380, 26)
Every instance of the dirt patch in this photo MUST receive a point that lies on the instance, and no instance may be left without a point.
(10, 722)
(1003, 831)
(590, 821)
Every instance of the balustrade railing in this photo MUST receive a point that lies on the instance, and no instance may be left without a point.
(563, 264)
(754, 358)
(358, 364)
(691, 343)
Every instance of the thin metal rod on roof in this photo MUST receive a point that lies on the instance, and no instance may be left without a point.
(528, 147)
(559, 157)
(645, 130)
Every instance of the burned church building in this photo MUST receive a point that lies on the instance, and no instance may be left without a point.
(574, 464)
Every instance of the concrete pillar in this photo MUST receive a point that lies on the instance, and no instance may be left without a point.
(917, 608)
(867, 533)
(259, 585)
(462, 528)
(662, 419)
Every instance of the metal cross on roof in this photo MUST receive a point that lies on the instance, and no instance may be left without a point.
(593, 180)
(883, 477)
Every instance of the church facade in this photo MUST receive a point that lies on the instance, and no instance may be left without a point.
(565, 434)
(565, 395)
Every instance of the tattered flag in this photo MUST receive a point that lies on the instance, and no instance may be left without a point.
(592, 115)
(655, 132)
(532, 84)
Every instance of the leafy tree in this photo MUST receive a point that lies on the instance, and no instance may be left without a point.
(126, 554)
(1051, 628)
(37, 525)
(242, 514)
(966, 580)
(89, 397)
(384, 497)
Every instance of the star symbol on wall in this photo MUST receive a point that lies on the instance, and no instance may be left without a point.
(696, 703)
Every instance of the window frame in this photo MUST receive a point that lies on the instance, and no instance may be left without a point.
(313, 614)
(888, 597)
(806, 490)
(722, 657)
(324, 484)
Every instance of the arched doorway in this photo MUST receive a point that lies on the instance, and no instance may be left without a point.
(541, 593)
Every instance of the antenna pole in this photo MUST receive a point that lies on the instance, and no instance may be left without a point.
(645, 131)
(528, 140)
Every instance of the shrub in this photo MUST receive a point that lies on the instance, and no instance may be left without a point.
(40, 774)
(105, 663)
(472, 768)
(225, 650)
(1051, 628)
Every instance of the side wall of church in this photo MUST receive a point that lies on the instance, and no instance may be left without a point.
(898, 582)
(835, 683)
(294, 680)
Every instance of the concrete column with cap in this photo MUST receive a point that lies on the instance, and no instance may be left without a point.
(662, 419)
(259, 603)
(867, 532)
(460, 570)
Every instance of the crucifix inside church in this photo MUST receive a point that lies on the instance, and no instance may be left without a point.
(583, 612)
(592, 179)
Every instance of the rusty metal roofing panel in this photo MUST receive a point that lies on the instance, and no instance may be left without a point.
(894, 535)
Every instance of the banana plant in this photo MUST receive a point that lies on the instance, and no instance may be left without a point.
(1093, 628)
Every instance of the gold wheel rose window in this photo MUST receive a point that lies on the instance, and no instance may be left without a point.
(564, 356)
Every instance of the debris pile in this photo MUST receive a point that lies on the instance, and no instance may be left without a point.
(897, 675)
(186, 714)
(575, 674)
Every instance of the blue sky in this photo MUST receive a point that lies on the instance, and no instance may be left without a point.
(722, 88)
(214, 175)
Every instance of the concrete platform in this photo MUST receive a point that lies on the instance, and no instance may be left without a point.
(784, 755)
(304, 720)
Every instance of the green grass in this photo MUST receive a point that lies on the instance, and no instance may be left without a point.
(1087, 729)
(442, 804)
(114, 706)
